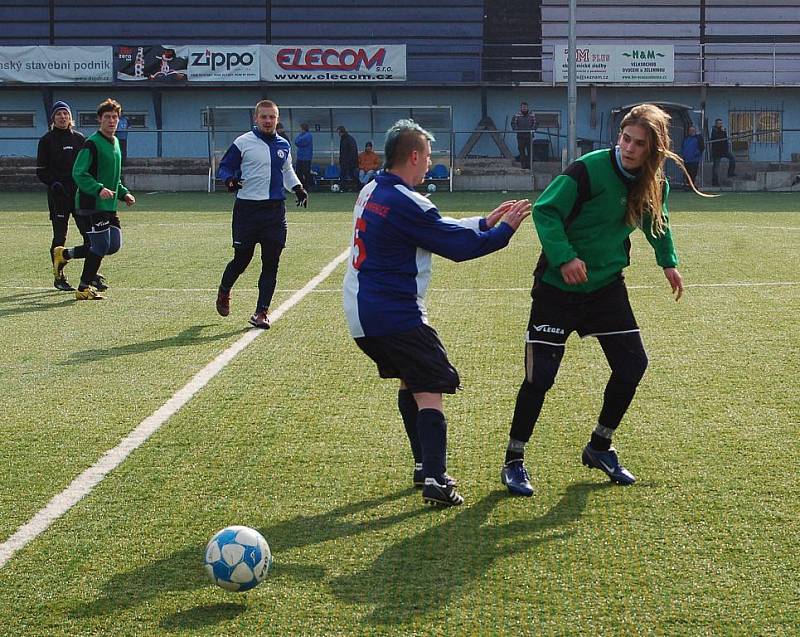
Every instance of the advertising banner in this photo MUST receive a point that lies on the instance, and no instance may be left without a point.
(223, 63)
(333, 63)
(612, 63)
(55, 64)
(150, 63)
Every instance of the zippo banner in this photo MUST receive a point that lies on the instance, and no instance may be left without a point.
(339, 63)
(187, 63)
(55, 64)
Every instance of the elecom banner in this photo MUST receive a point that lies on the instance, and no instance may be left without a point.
(339, 63)
(46, 64)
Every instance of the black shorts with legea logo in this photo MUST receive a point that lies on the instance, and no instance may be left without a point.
(261, 221)
(556, 313)
(417, 357)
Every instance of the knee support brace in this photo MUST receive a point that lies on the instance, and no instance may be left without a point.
(541, 365)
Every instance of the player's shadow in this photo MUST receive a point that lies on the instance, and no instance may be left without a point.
(31, 302)
(183, 570)
(188, 337)
(422, 572)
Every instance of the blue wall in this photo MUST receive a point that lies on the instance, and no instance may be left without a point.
(186, 137)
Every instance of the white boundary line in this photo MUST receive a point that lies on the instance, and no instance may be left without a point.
(91, 477)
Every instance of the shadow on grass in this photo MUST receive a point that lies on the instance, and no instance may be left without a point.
(202, 616)
(188, 337)
(421, 573)
(183, 570)
(35, 301)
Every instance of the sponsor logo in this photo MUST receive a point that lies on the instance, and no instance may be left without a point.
(549, 329)
(221, 60)
(281, 154)
(318, 59)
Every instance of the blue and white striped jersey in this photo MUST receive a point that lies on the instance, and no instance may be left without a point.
(262, 162)
(395, 232)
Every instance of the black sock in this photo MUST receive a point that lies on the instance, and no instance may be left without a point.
(515, 451)
(408, 411)
(600, 443)
(432, 428)
(91, 265)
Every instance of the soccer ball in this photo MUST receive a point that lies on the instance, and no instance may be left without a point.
(237, 558)
(335, 188)
(431, 188)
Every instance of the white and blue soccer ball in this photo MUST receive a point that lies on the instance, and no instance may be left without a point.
(335, 188)
(237, 558)
(431, 188)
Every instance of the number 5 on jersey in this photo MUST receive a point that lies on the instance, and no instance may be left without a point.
(358, 242)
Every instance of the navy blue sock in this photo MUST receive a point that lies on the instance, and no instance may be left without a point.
(408, 410)
(432, 428)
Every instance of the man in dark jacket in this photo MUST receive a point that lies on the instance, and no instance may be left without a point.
(348, 160)
(524, 123)
(692, 152)
(721, 149)
(54, 159)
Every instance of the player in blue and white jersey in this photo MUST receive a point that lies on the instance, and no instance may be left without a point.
(258, 167)
(396, 230)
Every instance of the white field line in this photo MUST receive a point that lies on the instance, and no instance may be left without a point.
(86, 481)
(730, 284)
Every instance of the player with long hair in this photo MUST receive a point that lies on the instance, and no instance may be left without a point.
(584, 219)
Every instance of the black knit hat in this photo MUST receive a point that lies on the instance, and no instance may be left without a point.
(60, 106)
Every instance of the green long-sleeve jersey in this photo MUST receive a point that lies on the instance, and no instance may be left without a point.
(97, 166)
(582, 214)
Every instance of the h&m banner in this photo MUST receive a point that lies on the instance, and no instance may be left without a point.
(55, 64)
(333, 63)
(610, 63)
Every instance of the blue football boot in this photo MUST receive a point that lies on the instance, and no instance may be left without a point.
(607, 462)
(515, 477)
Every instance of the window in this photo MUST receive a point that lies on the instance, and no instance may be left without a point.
(548, 119)
(16, 120)
(135, 120)
(760, 127)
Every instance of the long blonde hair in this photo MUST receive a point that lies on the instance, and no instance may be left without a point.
(647, 193)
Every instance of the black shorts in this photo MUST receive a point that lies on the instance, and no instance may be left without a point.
(416, 357)
(259, 222)
(556, 313)
(96, 220)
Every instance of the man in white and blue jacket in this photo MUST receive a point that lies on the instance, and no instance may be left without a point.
(396, 230)
(258, 167)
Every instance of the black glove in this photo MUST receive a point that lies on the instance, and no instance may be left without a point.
(302, 196)
(57, 188)
(233, 184)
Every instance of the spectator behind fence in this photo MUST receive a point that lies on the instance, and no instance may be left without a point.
(524, 123)
(368, 164)
(721, 149)
(122, 137)
(304, 142)
(692, 152)
(348, 160)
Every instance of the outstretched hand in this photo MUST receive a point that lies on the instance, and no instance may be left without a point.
(495, 215)
(516, 213)
(676, 282)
